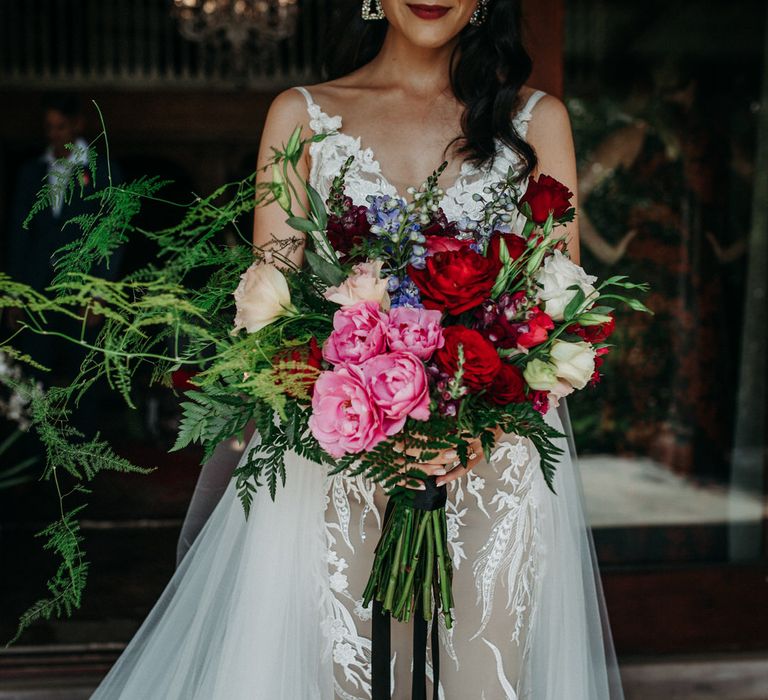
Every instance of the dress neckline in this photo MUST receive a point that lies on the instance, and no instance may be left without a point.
(334, 124)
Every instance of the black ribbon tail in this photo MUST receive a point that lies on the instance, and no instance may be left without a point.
(419, 677)
(432, 498)
(381, 653)
(435, 655)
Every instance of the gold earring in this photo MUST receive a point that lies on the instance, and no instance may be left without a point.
(376, 13)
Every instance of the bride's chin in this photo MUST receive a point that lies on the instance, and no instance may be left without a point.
(428, 37)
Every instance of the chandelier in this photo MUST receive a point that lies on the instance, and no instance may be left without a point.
(236, 21)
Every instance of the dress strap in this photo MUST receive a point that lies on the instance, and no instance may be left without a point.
(527, 111)
(307, 95)
(319, 121)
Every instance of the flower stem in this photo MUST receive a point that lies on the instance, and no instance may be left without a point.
(390, 594)
(426, 605)
(446, 601)
(407, 591)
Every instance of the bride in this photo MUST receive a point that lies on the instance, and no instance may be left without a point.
(270, 608)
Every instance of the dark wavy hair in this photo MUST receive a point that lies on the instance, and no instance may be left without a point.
(488, 67)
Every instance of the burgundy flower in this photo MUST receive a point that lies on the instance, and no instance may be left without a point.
(508, 386)
(440, 226)
(349, 229)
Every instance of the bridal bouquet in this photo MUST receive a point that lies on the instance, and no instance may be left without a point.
(403, 334)
(406, 334)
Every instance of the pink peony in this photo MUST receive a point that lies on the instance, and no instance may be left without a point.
(416, 330)
(398, 387)
(359, 333)
(344, 419)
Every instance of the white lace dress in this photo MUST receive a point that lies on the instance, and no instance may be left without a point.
(270, 608)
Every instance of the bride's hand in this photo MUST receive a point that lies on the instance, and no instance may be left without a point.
(446, 465)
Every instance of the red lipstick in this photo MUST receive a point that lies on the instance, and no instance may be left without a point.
(428, 11)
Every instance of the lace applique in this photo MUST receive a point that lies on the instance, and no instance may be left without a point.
(366, 178)
(513, 538)
(350, 650)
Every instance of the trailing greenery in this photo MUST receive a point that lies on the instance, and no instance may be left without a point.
(152, 318)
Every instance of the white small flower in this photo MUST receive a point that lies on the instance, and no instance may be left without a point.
(338, 582)
(333, 629)
(344, 653)
(364, 614)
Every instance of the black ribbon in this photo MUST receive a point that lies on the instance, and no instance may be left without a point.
(433, 497)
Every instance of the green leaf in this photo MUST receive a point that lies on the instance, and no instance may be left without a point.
(318, 207)
(573, 305)
(301, 224)
(328, 272)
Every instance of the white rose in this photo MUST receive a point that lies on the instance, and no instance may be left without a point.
(364, 284)
(557, 274)
(540, 375)
(261, 298)
(574, 362)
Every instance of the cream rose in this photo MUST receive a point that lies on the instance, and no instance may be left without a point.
(261, 298)
(364, 284)
(540, 375)
(557, 274)
(574, 362)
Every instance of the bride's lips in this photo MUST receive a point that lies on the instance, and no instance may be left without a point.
(428, 11)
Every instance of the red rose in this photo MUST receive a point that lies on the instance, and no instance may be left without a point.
(508, 386)
(546, 196)
(515, 244)
(481, 362)
(538, 326)
(444, 244)
(455, 281)
(310, 355)
(594, 334)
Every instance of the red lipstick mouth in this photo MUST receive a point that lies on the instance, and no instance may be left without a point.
(428, 11)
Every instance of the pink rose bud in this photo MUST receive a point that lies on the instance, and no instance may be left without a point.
(363, 284)
(344, 419)
(415, 330)
(359, 333)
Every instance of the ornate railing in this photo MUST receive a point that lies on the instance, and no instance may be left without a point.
(136, 43)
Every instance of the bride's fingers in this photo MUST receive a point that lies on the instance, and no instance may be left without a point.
(460, 470)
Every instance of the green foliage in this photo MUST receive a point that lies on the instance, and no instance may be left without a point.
(210, 418)
(66, 586)
(265, 463)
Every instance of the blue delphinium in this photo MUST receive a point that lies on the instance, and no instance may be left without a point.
(386, 215)
(403, 292)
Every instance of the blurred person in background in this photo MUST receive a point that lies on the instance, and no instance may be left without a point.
(31, 248)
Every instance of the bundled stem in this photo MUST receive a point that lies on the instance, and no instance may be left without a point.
(411, 563)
